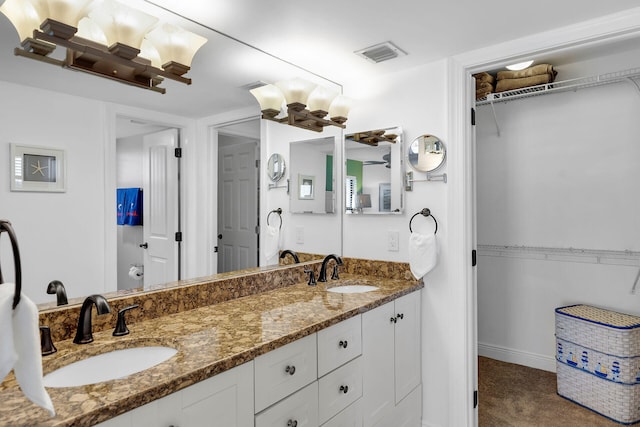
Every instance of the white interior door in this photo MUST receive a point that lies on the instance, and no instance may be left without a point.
(160, 207)
(237, 207)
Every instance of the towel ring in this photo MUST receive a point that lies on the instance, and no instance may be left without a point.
(424, 212)
(6, 226)
(279, 212)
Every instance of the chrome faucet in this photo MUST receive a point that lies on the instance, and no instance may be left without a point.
(290, 252)
(323, 270)
(83, 334)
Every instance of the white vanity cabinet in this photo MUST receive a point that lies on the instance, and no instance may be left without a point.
(391, 362)
(223, 400)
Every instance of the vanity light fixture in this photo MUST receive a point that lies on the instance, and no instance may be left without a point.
(104, 38)
(307, 104)
(372, 137)
(519, 66)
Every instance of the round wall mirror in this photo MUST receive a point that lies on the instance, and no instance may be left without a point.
(276, 167)
(427, 153)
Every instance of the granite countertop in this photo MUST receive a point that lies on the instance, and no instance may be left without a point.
(209, 340)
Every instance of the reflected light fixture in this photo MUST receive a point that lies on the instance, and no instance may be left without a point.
(372, 137)
(307, 104)
(104, 38)
(519, 66)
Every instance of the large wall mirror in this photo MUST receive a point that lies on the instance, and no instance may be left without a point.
(373, 172)
(71, 242)
(312, 176)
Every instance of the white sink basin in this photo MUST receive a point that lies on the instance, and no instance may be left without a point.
(352, 289)
(108, 366)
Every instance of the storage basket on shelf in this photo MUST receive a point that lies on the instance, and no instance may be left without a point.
(598, 360)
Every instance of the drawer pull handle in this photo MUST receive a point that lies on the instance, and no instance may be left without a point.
(394, 320)
(343, 344)
(292, 423)
(400, 315)
(290, 370)
(344, 388)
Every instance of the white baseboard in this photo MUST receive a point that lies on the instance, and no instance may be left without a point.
(510, 355)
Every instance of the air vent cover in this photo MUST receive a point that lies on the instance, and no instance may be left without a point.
(381, 52)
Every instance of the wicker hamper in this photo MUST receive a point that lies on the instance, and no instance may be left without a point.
(598, 360)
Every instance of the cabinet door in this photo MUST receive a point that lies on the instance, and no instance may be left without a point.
(223, 400)
(299, 410)
(285, 370)
(378, 397)
(407, 345)
(350, 417)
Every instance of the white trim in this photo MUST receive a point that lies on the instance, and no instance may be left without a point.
(510, 355)
(613, 27)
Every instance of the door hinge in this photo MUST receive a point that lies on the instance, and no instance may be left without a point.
(178, 236)
(258, 163)
(474, 258)
(475, 399)
(473, 117)
(178, 152)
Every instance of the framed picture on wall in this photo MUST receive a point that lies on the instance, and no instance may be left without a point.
(37, 169)
(306, 187)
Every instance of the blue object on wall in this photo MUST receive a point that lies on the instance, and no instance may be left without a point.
(129, 205)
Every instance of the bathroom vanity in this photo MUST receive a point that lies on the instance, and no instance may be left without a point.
(294, 355)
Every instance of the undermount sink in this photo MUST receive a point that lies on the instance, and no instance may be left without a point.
(108, 366)
(352, 289)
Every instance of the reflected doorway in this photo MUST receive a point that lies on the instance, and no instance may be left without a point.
(146, 166)
(238, 196)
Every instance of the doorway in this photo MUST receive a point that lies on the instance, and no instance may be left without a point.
(148, 248)
(238, 202)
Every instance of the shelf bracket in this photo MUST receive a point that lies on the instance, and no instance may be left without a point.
(634, 83)
(495, 117)
(408, 179)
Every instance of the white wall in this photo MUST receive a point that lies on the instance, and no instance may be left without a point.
(415, 100)
(563, 174)
(37, 117)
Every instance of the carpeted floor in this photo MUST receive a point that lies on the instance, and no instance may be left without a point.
(519, 396)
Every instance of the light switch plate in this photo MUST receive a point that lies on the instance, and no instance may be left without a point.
(393, 241)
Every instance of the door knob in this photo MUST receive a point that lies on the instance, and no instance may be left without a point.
(219, 236)
(144, 245)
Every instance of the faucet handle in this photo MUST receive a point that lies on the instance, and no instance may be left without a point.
(46, 344)
(312, 277)
(334, 275)
(121, 326)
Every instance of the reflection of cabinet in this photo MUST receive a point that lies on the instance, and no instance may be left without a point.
(391, 363)
(225, 400)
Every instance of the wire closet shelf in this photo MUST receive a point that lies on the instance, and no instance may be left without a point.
(562, 86)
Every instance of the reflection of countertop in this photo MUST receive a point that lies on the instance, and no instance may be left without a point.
(209, 340)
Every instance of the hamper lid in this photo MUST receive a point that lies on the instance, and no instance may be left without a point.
(601, 316)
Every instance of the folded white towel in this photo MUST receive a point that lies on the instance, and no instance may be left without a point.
(20, 346)
(423, 253)
(271, 241)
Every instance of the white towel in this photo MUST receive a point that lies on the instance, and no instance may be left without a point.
(271, 241)
(20, 346)
(423, 253)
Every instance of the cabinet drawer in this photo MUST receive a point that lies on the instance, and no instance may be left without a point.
(299, 410)
(284, 370)
(339, 389)
(350, 417)
(338, 344)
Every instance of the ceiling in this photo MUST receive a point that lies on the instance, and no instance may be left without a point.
(319, 38)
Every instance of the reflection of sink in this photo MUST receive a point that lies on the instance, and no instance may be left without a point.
(108, 366)
(352, 289)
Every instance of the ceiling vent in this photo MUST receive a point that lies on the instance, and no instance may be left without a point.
(381, 52)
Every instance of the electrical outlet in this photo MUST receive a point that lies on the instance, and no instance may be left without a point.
(393, 241)
(300, 235)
